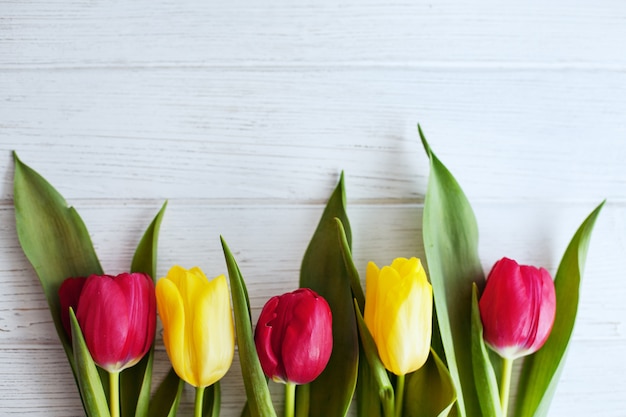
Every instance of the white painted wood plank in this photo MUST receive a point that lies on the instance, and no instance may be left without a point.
(285, 134)
(166, 32)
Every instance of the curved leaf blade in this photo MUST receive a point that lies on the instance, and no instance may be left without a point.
(450, 237)
(541, 371)
(257, 391)
(92, 392)
(53, 238)
(167, 396)
(378, 372)
(324, 271)
(429, 391)
(484, 374)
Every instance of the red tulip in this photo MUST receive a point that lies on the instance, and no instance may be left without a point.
(117, 316)
(293, 336)
(517, 308)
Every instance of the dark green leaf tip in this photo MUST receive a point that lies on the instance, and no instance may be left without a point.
(424, 141)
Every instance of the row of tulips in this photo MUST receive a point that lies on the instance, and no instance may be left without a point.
(325, 341)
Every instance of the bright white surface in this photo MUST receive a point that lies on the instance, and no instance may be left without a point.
(242, 114)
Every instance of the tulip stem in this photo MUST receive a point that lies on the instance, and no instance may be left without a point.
(198, 403)
(114, 394)
(399, 395)
(290, 395)
(505, 385)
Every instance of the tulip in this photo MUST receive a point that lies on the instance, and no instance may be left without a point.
(198, 330)
(398, 313)
(517, 309)
(294, 339)
(117, 316)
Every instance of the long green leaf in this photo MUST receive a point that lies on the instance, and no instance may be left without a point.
(451, 245)
(136, 381)
(53, 238)
(541, 371)
(323, 270)
(371, 394)
(212, 400)
(384, 389)
(429, 391)
(165, 401)
(484, 374)
(257, 391)
(92, 392)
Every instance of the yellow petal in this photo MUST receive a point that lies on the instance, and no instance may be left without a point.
(172, 314)
(213, 332)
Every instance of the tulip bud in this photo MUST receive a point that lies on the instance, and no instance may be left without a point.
(198, 330)
(117, 316)
(517, 308)
(293, 336)
(398, 313)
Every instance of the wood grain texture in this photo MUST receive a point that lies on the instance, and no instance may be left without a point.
(188, 32)
(278, 134)
(242, 114)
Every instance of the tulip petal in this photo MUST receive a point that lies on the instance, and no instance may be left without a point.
(266, 347)
(171, 311)
(213, 335)
(105, 320)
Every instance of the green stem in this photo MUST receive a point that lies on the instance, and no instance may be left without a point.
(399, 395)
(290, 395)
(197, 411)
(114, 394)
(505, 385)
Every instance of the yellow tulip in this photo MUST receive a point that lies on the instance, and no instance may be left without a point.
(197, 322)
(398, 313)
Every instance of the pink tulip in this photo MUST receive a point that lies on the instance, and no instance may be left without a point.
(517, 308)
(117, 316)
(293, 336)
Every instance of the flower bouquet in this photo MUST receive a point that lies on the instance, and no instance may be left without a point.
(426, 337)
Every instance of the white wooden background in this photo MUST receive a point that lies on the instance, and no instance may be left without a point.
(243, 113)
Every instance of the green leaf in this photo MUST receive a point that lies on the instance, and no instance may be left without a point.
(92, 392)
(383, 387)
(136, 382)
(257, 391)
(369, 391)
(145, 258)
(323, 270)
(212, 400)
(451, 245)
(429, 391)
(53, 238)
(346, 254)
(165, 400)
(484, 374)
(541, 371)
